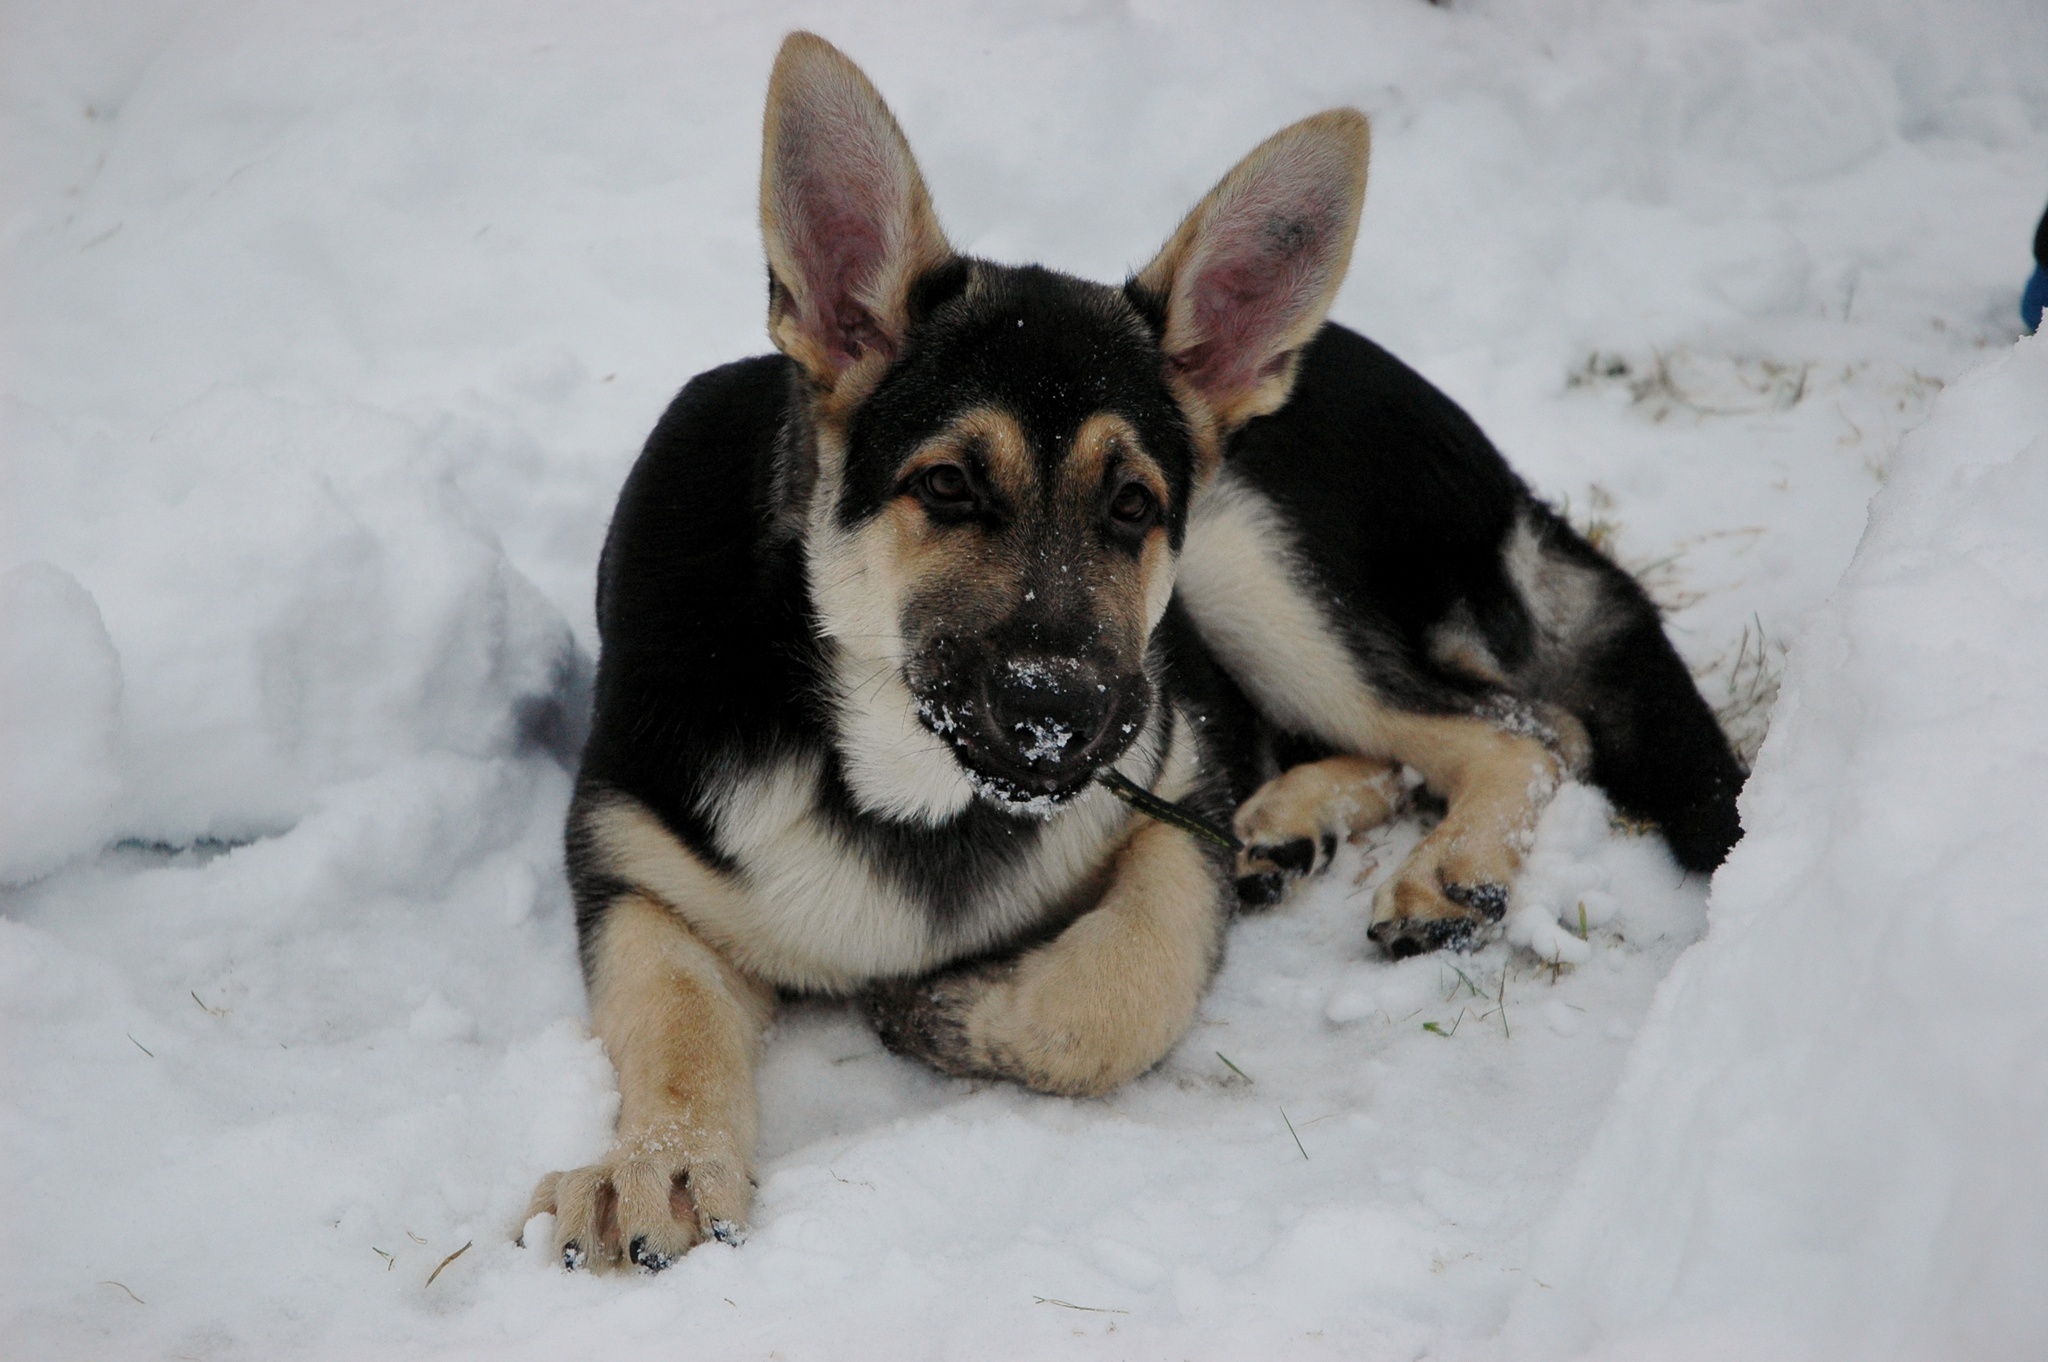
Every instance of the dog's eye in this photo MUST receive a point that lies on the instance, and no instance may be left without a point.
(945, 484)
(1132, 505)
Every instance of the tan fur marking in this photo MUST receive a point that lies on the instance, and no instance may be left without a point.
(1107, 443)
(1336, 797)
(1107, 998)
(1003, 447)
(1238, 576)
(683, 1029)
(1496, 784)
(808, 912)
(1106, 439)
(902, 554)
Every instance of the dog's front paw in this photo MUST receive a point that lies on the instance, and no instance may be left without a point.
(644, 1206)
(1415, 913)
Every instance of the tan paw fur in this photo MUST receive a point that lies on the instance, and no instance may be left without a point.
(1292, 824)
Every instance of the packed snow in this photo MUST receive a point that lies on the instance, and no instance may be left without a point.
(327, 335)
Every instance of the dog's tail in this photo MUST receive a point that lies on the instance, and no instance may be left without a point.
(1658, 751)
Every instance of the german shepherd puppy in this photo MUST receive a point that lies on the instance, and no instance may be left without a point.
(877, 610)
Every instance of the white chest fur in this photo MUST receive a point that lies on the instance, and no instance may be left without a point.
(807, 908)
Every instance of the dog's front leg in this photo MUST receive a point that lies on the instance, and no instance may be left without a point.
(1097, 1005)
(683, 1028)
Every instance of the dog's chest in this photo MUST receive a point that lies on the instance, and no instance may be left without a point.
(817, 908)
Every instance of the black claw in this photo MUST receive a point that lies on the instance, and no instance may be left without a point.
(653, 1260)
(725, 1232)
(1261, 890)
(1297, 857)
(572, 1256)
(1490, 900)
(1329, 846)
(1402, 947)
(1402, 938)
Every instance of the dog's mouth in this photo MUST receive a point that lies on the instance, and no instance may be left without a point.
(1032, 745)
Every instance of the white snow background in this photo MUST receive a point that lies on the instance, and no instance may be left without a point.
(327, 333)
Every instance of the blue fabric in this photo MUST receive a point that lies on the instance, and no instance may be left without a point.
(2034, 299)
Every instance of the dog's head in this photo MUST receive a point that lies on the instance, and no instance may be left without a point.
(997, 463)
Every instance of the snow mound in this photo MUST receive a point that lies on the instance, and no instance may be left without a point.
(300, 598)
(1829, 1139)
(60, 688)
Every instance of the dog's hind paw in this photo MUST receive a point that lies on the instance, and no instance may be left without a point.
(1291, 825)
(1413, 915)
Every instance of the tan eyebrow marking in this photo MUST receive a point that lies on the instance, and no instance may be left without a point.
(1005, 454)
(1107, 440)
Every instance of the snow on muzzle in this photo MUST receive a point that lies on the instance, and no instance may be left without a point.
(1033, 729)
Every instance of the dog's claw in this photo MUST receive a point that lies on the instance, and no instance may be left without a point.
(650, 1260)
(1297, 857)
(1488, 900)
(1266, 869)
(1405, 937)
(1261, 890)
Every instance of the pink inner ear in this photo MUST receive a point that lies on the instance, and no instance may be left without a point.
(1260, 267)
(839, 194)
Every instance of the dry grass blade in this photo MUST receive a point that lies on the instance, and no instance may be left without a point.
(1069, 1305)
(445, 1261)
(124, 1286)
(1293, 1132)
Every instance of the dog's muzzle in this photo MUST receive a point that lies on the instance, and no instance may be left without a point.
(1034, 730)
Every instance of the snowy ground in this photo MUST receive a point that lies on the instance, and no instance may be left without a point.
(328, 332)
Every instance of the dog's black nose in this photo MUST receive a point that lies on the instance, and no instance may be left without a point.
(1050, 711)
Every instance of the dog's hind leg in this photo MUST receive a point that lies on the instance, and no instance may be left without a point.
(1097, 1005)
(1291, 825)
(682, 1027)
(1495, 782)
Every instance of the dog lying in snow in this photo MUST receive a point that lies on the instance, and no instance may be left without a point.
(878, 611)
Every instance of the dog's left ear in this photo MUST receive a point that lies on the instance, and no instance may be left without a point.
(845, 216)
(1246, 280)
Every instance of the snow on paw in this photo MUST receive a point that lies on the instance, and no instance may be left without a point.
(644, 1206)
(1414, 913)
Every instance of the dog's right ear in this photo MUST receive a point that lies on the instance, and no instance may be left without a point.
(845, 217)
